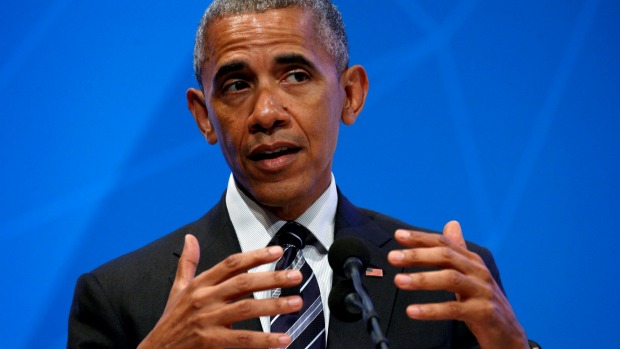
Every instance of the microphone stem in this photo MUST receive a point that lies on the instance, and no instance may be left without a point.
(368, 312)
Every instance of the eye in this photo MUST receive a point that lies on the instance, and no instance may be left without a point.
(296, 77)
(235, 86)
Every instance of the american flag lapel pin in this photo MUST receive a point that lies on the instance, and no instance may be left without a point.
(374, 272)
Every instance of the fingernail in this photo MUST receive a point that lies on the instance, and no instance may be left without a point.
(293, 275)
(413, 310)
(403, 279)
(294, 301)
(273, 250)
(403, 234)
(284, 339)
(397, 256)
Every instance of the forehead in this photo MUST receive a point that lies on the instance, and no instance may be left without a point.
(262, 35)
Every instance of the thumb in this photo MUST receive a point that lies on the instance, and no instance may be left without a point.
(452, 230)
(188, 262)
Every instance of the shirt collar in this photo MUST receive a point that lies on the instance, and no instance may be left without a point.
(256, 226)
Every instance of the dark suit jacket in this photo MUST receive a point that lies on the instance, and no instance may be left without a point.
(119, 303)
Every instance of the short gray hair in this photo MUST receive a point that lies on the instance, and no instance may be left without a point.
(328, 22)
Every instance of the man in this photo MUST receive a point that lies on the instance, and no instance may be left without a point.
(275, 85)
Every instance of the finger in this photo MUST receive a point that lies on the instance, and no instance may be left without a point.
(239, 263)
(471, 311)
(452, 310)
(186, 267)
(253, 308)
(227, 338)
(414, 238)
(254, 339)
(239, 286)
(452, 230)
(440, 257)
(449, 280)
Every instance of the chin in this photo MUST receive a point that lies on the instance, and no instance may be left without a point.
(284, 200)
(276, 194)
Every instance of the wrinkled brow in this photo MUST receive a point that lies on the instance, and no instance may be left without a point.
(294, 58)
(228, 68)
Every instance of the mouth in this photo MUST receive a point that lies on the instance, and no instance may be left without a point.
(275, 157)
(270, 154)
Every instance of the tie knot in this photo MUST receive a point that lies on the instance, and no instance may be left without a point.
(292, 233)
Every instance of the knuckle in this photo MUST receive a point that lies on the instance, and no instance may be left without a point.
(197, 322)
(488, 311)
(414, 237)
(195, 300)
(243, 339)
(419, 279)
(484, 277)
(280, 277)
(455, 311)
(190, 287)
(447, 253)
(206, 336)
(243, 282)
(232, 261)
(487, 292)
(209, 338)
(454, 278)
(487, 277)
(442, 240)
(412, 254)
(244, 306)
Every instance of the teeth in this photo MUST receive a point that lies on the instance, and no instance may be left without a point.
(275, 151)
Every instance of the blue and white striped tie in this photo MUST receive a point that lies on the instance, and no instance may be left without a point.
(307, 326)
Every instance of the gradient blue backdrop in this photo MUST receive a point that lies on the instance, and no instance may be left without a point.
(501, 114)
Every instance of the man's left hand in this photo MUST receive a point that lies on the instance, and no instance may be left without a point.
(480, 302)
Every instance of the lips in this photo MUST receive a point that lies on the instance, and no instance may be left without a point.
(274, 156)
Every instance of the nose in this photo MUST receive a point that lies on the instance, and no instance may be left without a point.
(269, 113)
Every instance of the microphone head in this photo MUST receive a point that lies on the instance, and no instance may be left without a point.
(342, 302)
(345, 248)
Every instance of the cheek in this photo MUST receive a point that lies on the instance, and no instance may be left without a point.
(326, 121)
(230, 134)
(232, 152)
(325, 135)
(231, 141)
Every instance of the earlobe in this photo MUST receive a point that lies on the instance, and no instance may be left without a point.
(196, 105)
(355, 84)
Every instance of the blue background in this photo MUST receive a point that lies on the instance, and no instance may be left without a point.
(501, 114)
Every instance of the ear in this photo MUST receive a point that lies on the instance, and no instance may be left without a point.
(355, 83)
(196, 104)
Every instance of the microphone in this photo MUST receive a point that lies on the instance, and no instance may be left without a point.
(348, 254)
(348, 257)
(344, 303)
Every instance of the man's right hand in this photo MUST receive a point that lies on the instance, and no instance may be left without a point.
(201, 309)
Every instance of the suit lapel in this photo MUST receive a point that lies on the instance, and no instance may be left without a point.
(217, 239)
(350, 221)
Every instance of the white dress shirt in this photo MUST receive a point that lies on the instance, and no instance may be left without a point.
(255, 227)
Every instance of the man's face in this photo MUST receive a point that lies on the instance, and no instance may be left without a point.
(274, 101)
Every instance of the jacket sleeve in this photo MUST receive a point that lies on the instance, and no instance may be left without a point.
(93, 321)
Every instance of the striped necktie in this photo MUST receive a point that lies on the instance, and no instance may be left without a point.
(307, 326)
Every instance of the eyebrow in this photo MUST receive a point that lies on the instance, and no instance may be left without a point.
(228, 68)
(294, 58)
(235, 66)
